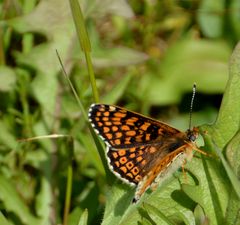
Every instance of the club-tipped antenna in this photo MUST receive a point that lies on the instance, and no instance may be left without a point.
(191, 105)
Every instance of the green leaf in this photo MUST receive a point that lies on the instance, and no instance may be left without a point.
(232, 211)
(73, 218)
(7, 137)
(153, 211)
(7, 78)
(186, 62)
(13, 203)
(199, 215)
(233, 153)
(234, 16)
(42, 57)
(41, 18)
(209, 19)
(45, 90)
(3, 220)
(228, 120)
(168, 199)
(80, 26)
(44, 201)
(97, 9)
(92, 152)
(84, 218)
(118, 56)
(171, 201)
(233, 178)
(212, 191)
(219, 135)
(119, 198)
(233, 156)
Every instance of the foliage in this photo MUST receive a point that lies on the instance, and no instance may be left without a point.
(145, 57)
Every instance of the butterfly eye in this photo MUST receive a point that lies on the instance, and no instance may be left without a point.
(192, 137)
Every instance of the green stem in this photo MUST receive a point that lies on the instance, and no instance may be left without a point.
(84, 43)
(92, 77)
(69, 182)
(68, 193)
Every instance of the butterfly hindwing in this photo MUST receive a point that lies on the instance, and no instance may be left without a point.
(133, 164)
(121, 128)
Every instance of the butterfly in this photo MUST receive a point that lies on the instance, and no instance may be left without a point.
(141, 151)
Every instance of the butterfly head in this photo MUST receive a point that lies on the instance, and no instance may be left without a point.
(192, 134)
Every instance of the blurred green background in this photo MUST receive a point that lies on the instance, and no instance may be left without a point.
(146, 55)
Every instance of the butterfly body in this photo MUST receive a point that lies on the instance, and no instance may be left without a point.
(140, 151)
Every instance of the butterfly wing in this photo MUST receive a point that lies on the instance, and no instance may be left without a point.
(140, 150)
(120, 128)
(146, 166)
(132, 164)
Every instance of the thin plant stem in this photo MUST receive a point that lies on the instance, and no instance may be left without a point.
(84, 43)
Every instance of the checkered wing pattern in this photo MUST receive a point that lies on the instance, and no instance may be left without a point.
(140, 150)
(132, 165)
(120, 128)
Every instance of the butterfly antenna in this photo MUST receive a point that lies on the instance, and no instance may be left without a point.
(191, 105)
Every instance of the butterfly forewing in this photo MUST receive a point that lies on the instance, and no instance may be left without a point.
(121, 128)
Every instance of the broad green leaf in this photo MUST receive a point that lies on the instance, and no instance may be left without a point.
(41, 18)
(212, 189)
(156, 212)
(44, 87)
(232, 211)
(228, 120)
(118, 56)
(233, 156)
(13, 203)
(186, 62)
(220, 133)
(119, 198)
(167, 199)
(171, 201)
(96, 8)
(43, 57)
(231, 175)
(233, 153)
(210, 17)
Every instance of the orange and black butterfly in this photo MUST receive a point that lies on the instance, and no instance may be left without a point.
(141, 151)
